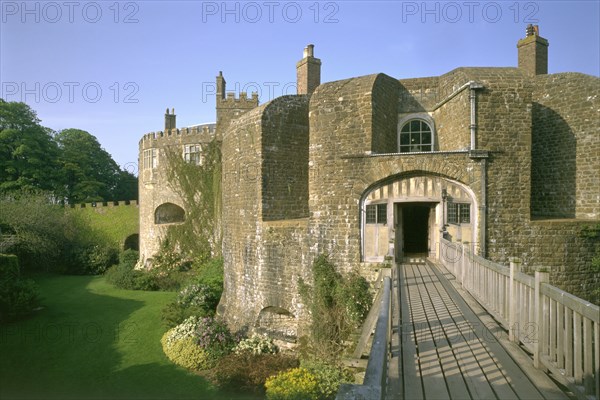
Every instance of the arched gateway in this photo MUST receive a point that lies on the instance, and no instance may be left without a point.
(406, 215)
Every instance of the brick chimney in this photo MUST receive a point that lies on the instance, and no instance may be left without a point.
(308, 72)
(533, 52)
(170, 120)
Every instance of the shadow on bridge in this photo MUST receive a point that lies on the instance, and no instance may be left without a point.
(444, 348)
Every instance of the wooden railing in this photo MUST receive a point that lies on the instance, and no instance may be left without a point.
(562, 331)
(374, 383)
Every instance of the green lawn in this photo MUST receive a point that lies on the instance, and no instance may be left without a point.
(116, 222)
(92, 341)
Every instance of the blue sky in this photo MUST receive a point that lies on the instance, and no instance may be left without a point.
(112, 67)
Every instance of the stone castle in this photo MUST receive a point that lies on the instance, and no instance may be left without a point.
(372, 169)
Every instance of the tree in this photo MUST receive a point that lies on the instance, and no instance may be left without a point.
(88, 172)
(71, 164)
(28, 152)
(127, 187)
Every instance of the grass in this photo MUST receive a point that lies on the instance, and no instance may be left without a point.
(115, 222)
(92, 341)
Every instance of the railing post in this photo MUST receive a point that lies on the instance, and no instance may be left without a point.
(513, 329)
(538, 346)
(461, 276)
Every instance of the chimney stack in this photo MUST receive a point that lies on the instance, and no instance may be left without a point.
(533, 52)
(170, 120)
(308, 71)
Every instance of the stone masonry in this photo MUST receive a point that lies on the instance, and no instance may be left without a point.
(503, 159)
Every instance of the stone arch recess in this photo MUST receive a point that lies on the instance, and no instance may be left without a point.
(169, 213)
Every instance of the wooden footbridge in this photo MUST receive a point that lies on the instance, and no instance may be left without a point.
(466, 328)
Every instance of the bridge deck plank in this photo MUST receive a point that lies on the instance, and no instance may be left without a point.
(446, 351)
(453, 377)
(434, 383)
(413, 386)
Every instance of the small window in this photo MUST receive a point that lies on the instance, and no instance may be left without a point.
(376, 214)
(416, 135)
(150, 158)
(459, 213)
(191, 154)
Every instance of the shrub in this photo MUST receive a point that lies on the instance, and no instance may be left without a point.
(197, 299)
(210, 272)
(18, 297)
(168, 260)
(249, 372)
(354, 294)
(331, 297)
(181, 346)
(329, 377)
(187, 353)
(294, 384)
(9, 267)
(214, 336)
(123, 274)
(94, 259)
(257, 344)
(46, 236)
(200, 297)
(185, 330)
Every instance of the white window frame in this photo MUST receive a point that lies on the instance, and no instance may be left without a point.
(421, 117)
(192, 153)
(150, 158)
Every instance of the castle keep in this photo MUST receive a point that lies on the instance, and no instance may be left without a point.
(373, 168)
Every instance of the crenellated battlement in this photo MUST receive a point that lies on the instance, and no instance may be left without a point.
(242, 101)
(204, 133)
(100, 204)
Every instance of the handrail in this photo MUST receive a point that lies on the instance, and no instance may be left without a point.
(374, 383)
(561, 330)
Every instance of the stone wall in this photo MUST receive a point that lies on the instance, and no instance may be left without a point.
(154, 188)
(566, 144)
(385, 96)
(264, 257)
(559, 246)
(285, 158)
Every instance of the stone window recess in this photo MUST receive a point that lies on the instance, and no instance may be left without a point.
(192, 154)
(376, 214)
(150, 158)
(169, 213)
(415, 135)
(459, 213)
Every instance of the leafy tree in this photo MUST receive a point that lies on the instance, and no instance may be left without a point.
(28, 153)
(127, 186)
(88, 172)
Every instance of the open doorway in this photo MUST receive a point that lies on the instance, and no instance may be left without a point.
(414, 222)
(415, 226)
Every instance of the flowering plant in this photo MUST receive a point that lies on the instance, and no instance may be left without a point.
(257, 344)
(213, 335)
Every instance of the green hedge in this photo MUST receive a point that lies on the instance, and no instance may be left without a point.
(18, 297)
(9, 267)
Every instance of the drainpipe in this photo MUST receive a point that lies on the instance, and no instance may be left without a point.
(482, 155)
(473, 86)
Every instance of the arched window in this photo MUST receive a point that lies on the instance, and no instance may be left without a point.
(168, 213)
(415, 135)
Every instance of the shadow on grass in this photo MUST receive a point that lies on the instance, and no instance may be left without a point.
(93, 343)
